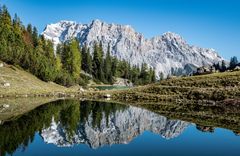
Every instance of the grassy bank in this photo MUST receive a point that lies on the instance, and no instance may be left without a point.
(16, 82)
(215, 87)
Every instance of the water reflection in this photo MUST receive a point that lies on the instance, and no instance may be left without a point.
(107, 124)
(66, 123)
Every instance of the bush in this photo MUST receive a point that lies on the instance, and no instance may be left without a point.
(218, 95)
(65, 79)
(197, 95)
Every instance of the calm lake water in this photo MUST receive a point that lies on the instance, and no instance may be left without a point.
(70, 127)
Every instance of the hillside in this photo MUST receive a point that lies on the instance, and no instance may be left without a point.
(14, 81)
(214, 87)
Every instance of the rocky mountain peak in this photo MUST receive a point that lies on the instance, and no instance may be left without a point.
(169, 53)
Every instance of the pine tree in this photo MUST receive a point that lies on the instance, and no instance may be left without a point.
(88, 62)
(35, 36)
(224, 67)
(84, 57)
(98, 62)
(144, 75)
(17, 44)
(125, 69)
(153, 76)
(58, 63)
(114, 66)
(101, 73)
(233, 62)
(107, 67)
(29, 29)
(75, 59)
(161, 76)
(5, 35)
(135, 73)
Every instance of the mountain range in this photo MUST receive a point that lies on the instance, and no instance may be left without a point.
(168, 53)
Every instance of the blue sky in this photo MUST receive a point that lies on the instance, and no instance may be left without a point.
(205, 23)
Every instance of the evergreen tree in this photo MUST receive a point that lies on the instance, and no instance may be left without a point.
(35, 36)
(217, 66)
(114, 66)
(58, 64)
(101, 73)
(144, 75)
(84, 57)
(107, 67)
(125, 69)
(135, 73)
(233, 62)
(5, 35)
(224, 67)
(17, 44)
(98, 62)
(88, 62)
(153, 75)
(29, 29)
(161, 76)
(74, 60)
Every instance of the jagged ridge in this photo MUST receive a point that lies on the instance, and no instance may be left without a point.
(168, 53)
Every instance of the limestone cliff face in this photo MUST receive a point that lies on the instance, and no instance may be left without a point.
(168, 53)
(121, 127)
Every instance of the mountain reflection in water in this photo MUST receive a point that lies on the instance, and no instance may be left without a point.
(107, 124)
(66, 123)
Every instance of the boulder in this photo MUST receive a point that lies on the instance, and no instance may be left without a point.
(123, 82)
(237, 68)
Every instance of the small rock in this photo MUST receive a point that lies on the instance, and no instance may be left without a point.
(107, 96)
(61, 94)
(81, 89)
(6, 84)
(1, 65)
(5, 106)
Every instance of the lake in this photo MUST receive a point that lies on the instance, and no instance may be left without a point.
(73, 127)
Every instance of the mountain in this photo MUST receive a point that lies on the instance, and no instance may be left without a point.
(168, 53)
(120, 127)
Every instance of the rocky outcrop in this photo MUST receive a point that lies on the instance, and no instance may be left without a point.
(123, 82)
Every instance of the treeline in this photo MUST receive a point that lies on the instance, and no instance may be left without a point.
(219, 67)
(23, 47)
(105, 68)
(222, 67)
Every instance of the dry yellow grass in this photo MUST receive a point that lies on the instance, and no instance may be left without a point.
(22, 82)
